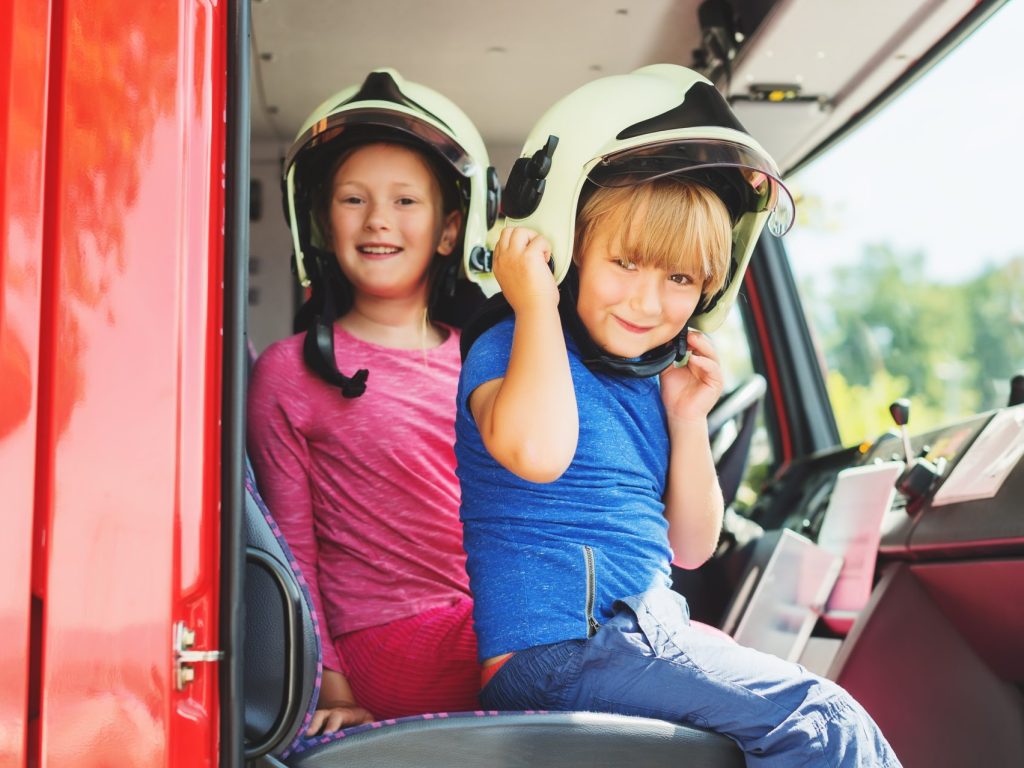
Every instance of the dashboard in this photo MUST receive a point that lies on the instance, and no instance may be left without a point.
(916, 526)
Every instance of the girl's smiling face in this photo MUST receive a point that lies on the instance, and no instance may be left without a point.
(387, 222)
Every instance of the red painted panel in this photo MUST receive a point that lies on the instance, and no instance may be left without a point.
(131, 359)
(23, 61)
(194, 722)
(981, 598)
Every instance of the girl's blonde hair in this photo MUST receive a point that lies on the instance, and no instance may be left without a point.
(671, 223)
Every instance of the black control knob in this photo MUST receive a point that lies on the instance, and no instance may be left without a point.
(917, 479)
(900, 411)
(1016, 390)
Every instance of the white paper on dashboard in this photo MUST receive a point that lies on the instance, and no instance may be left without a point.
(992, 456)
(788, 598)
(852, 529)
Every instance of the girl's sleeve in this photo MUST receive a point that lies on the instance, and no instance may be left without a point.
(280, 457)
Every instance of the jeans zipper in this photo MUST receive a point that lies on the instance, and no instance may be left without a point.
(588, 558)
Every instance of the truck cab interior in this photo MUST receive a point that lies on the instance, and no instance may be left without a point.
(882, 338)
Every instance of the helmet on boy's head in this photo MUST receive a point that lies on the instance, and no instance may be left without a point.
(384, 108)
(624, 130)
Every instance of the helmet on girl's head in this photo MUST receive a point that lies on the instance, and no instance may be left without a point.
(384, 108)
(624, 130)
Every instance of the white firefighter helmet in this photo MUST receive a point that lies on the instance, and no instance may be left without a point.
(387, 107)
(623, 130)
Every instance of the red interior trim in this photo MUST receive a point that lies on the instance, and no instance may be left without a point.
(771, 370)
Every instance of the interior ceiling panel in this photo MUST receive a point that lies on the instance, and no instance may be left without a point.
(505, 61)
(838, 57)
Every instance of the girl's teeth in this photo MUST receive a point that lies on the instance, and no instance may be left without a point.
(377, 250)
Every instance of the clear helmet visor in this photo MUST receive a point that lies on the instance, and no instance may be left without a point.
(747, 181)
(333, 126)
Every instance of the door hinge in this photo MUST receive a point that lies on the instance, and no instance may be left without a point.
(185, 657)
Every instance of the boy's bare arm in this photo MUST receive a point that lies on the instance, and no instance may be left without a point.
(693, 499)
(528, 420)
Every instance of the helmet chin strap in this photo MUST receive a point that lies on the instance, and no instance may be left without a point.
(318, 345)
(650, 363)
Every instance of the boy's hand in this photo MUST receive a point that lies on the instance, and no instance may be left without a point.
(521, 268)
(690, 392)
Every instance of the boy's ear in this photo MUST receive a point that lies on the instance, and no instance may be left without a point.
(449, 233)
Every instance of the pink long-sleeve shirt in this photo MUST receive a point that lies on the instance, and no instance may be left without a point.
(363, 489)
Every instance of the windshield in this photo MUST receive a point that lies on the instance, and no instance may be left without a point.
(909, 249)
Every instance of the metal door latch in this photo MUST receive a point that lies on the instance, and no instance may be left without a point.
(185, 657)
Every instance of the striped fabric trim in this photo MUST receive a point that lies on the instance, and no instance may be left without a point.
(250, 487)
(329, 738)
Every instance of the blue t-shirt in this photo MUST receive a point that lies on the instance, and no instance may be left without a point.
(546, 561)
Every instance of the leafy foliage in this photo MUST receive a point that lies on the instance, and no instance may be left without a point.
(888, 330)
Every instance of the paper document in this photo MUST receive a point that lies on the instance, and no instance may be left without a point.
(992, 456)
(852, 529)
(788, 597)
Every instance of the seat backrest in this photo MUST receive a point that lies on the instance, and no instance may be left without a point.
(282, 640)
(731, 463)
(282, 682)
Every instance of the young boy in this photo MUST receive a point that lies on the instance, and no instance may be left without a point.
(583, 476)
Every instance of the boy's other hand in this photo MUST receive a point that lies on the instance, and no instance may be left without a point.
(690, 392)
(330, 719)
(521, 268)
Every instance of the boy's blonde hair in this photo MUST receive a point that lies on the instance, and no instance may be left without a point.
(671, 223)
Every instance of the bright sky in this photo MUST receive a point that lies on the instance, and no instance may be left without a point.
(940, 170)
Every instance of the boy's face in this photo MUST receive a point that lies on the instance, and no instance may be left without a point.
(629, 309)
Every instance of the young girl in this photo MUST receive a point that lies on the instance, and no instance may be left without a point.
(384, 188)
(585, 473)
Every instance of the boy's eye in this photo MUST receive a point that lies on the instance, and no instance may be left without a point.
(626, 264)
(406, 201)
(680, 279)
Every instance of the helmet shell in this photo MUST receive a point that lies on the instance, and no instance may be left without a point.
(393, 108)
(661, 104)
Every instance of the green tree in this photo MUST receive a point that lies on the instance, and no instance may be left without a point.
(995, 302)
(898, 332)
(862, 410)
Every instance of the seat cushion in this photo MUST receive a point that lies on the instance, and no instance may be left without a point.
(527, 739)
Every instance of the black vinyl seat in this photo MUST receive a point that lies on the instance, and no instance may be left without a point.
(282, 677)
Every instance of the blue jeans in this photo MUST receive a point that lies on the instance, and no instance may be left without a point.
(648, 661)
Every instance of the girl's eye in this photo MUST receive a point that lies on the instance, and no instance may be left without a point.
(626, 264)
(681, 279)
(406, 201)
(351, 200)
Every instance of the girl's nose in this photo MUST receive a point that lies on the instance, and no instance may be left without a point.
(376, 217)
